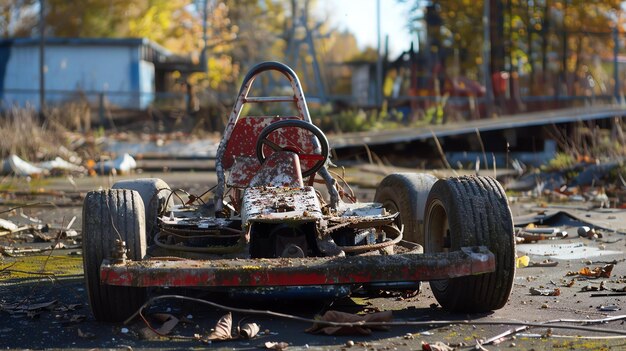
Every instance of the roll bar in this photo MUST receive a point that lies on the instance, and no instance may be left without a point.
(242, 98)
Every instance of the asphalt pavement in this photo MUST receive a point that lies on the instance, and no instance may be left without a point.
(67, 322)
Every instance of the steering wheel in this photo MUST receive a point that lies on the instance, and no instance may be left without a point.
(311, 128)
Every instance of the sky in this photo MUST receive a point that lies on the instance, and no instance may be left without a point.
(359, 17)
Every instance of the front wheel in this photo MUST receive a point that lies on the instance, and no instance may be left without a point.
(471, 211)
(109, 215)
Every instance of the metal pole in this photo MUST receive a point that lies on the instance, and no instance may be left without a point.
(487, 60)
(616, 90)
(205, 38)
(379, 62)
(42, 64)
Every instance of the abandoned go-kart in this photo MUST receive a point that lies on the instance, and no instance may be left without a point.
(268, 230)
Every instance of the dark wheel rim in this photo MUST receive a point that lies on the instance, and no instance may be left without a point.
(438, 232)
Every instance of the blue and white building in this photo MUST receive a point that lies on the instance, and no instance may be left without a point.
(127, 72)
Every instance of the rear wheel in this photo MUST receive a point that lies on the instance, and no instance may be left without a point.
(109, 215)
(471, 211)
(406, 193)
(156, 196)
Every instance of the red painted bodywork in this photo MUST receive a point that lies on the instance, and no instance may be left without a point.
(299, 272)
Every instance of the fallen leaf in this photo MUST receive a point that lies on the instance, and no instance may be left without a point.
(271, 345)
(249, 330)
(222, 328)
(598, 272)
(341, 317)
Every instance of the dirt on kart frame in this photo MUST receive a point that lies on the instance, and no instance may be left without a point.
(268, 230)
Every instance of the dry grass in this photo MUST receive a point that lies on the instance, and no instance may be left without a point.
(24, 134)
(591, 142)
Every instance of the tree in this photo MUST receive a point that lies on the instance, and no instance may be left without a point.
(174, 24)
(526, 36)
(17, 18)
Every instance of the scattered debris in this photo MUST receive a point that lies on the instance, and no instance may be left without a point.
(271, 345)
(342, 317)
(222, 330)
(590, 287)
(7, 226)
(545, 292)
(121, 165)
(597, 272)
(24, 308)
(436, 346)
(249, 330)
(609, 294)
(609, 308)
(531, 233)
(587, 232)
(15, 165)
(61, 166)
(504, 336)
(565, 251)
(570, 283)
(168, 321)
(544, 263)
(522, 261)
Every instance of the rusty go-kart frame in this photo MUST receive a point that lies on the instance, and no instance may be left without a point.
(267, 229)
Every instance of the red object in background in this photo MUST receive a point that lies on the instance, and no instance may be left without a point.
(500, 81)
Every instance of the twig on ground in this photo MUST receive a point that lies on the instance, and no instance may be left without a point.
(26, 205)
(482, 146)
(500, 337)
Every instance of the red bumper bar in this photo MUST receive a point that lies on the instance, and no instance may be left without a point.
(300, 271)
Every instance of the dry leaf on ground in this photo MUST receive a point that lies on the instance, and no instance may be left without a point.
(222, 328)
(598, 272)
(342, 317)
(271, 345)
(249, 330)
